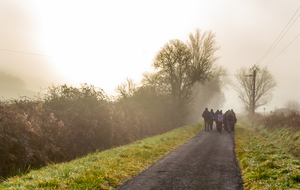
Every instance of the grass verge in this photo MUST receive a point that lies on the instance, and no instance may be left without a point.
(104, 170)
(286, 138)
(265, 166)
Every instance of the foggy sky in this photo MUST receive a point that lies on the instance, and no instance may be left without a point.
(102, 43)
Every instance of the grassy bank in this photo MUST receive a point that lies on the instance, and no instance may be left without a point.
(104, 170)
(264, 165)
(285, 138)
(281, 130)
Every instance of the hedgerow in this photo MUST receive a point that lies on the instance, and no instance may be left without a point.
(71, 122)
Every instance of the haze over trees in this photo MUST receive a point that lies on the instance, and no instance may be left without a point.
(69, 122)
(292, 106)
(211, 94)
(254, 87)
(11, 86)
(7, 79)
(179, 67)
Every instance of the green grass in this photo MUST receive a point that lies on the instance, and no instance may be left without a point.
(286, 138)
(104, 170)
(263, 164)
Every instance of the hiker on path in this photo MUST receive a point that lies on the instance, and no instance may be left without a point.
(206, 116)
(216, 115)
(225, 120)
(212, 116)
(229, 120)
(219, 121)
(235, 120)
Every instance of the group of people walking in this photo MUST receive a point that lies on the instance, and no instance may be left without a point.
(226, 120)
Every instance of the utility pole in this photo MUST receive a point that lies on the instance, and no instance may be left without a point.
(254, 69)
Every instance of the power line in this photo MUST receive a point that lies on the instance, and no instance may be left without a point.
(284, 49)
(288, 78)
(278, 39)
(26, 53)
(286, 32)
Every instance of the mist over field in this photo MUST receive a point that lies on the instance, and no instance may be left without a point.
(109, 43)
(11, 86)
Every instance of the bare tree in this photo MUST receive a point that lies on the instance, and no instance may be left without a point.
(203, 48)
(179, 66)
(254, 87)
(173, 70)
(126, 89)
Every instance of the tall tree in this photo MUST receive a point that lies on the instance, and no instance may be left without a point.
(203, 48)
(179, 66)
(254, 87)
(173, 71)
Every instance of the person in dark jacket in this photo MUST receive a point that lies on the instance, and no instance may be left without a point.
(212, 116)
(230, 120)
(216, 114)
(206, 116)
(219, 121)
(235, 120)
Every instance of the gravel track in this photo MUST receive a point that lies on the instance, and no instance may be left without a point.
(207, 161)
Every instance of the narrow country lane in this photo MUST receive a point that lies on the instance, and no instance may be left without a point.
(207, 161)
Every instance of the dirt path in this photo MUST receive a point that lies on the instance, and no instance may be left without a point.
(207, 161)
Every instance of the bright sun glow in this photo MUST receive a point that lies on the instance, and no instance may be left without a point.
(89, 48)
(102, 44)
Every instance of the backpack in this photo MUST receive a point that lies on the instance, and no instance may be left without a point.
(230, 117)
(220, 118)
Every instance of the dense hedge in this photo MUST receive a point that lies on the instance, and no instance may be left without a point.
(71, 122)
(282, 120)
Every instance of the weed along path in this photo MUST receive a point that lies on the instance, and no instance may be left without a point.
(207, 161)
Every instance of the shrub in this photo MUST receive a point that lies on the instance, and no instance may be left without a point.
(281, 120)
(71, 122)
(83, 119)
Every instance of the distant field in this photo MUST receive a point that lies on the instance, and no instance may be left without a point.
(104, 170)
(9, 92)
